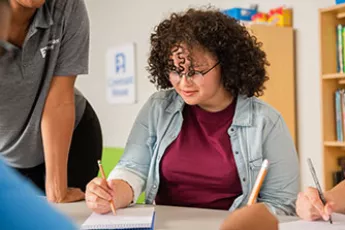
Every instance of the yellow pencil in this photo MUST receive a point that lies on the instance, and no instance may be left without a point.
(112, 205)
(258, 183)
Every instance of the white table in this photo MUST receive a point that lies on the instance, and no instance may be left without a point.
(167, 217)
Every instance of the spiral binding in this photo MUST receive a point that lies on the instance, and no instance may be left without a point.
(117, 226)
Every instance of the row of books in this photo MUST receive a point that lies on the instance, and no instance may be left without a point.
(340, 48)
(340, 113)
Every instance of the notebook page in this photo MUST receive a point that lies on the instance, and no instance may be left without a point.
(338, 224)
(132, 217)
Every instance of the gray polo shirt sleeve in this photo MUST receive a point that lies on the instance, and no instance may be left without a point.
(73, 56)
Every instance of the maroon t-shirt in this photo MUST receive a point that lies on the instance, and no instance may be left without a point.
(198, 169)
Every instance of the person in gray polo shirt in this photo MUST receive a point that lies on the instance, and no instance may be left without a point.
(48, 130)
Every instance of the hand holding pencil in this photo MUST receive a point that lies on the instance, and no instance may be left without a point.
(312, 204)
(318, 187)
(100, 194)
(309, 206)
(112, 204)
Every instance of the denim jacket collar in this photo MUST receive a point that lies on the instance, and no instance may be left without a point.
(244, 111)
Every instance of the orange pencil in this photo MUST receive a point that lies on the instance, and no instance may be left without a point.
(112, 205)
(258, 182)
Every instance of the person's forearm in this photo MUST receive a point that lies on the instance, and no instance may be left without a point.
(135, 183)
(123, 194)
(57, 128)
(336, 195)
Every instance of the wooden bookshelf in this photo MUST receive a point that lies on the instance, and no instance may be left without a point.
(333, 76)
(334, 144)
(279, 45)
(330, 81)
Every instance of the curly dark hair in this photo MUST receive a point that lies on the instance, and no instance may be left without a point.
(241, 59)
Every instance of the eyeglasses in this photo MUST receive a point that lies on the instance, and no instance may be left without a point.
(195, 76)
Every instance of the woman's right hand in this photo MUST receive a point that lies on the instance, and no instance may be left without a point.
(98, 195)
(100, 192)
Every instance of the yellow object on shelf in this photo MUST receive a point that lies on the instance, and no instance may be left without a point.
(280, 17)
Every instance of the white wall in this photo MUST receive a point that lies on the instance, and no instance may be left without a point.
(121, 21)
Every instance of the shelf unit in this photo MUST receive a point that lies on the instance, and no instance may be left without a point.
(330, 81)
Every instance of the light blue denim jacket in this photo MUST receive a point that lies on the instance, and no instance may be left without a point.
(258, 132)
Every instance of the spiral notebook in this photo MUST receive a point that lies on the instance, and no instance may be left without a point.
(135, 218)
(338, 224)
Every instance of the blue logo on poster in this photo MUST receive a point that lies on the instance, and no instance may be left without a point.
(120, 62)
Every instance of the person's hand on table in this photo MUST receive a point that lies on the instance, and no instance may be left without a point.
(258, 215)
(66, 195)
(73, 195)
(100, 192)
(310, 207)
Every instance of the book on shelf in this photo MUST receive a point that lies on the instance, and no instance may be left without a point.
(340, 48)
(340, 113)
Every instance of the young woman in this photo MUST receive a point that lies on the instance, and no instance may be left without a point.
(201, 140)
(48, 130)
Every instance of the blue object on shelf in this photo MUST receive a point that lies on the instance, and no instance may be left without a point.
(241, 13)
(339, 1)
